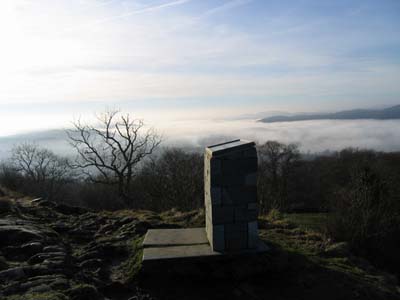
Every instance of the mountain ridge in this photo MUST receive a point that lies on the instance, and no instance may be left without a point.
(389, 113)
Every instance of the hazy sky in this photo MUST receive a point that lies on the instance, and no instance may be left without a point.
(192, 58)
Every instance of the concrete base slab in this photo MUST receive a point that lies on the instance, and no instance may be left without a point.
(175, 237)
(189, 245)
(178, 252)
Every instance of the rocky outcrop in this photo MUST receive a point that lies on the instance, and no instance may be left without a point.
(63, 252)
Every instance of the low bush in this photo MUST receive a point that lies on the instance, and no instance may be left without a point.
(366, 214)
(274, 215)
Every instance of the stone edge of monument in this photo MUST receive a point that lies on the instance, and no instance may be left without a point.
(222, 148)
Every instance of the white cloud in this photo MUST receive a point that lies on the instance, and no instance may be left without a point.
(102, 85)
(86, 50)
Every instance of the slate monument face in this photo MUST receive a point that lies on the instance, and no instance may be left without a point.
(230, 182)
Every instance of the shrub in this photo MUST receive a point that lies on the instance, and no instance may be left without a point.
(366, 215)
(9, 177)
(274, 215)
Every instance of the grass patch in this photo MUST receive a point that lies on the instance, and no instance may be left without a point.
(291, 241)
(295, 233)
(308, 221)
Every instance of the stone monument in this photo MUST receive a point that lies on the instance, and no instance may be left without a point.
(230, 183)
(230, 188)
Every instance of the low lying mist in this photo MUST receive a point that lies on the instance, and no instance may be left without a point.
(312, 136)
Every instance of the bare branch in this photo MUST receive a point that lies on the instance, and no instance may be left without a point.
(113, 149)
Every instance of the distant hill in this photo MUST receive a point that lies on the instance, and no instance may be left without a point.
(356, 114)
(53, 139)
(259, 115)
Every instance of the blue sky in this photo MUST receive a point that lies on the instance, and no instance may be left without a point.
(194, 58)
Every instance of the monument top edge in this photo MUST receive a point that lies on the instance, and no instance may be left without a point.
(219, 149)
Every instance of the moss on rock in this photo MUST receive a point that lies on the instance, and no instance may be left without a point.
(134, 263)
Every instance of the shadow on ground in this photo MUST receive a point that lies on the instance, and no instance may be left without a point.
(278, 274)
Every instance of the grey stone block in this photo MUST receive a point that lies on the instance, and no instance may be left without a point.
(243, 214)
(206, 168)
(215, 166)
(236, 243)
(250, 153)
(252, 234)
(207, 205)
(234, 155)
(216, 180)
(222, 214)
(209, 233)
(158, 254)
(207, 197)
(236, 236)
(216, 195)
(238, 195)
(234, 174)
(251, 179)
(218, 238)
(226, 180)
(209, 228)
(236, 228)
(230, 195)
(223, 149)
(243, 166)
(252, 214)
(174, 237)
(253, 205)
(180, 258)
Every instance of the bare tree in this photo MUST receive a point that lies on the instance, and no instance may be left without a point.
(276, 162)
(41, 166)
(111, 152)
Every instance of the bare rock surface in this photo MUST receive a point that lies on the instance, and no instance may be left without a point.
(63, 252)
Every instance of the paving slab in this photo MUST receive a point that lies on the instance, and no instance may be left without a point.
(175, 237)
(174, 252)
(184, 244)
